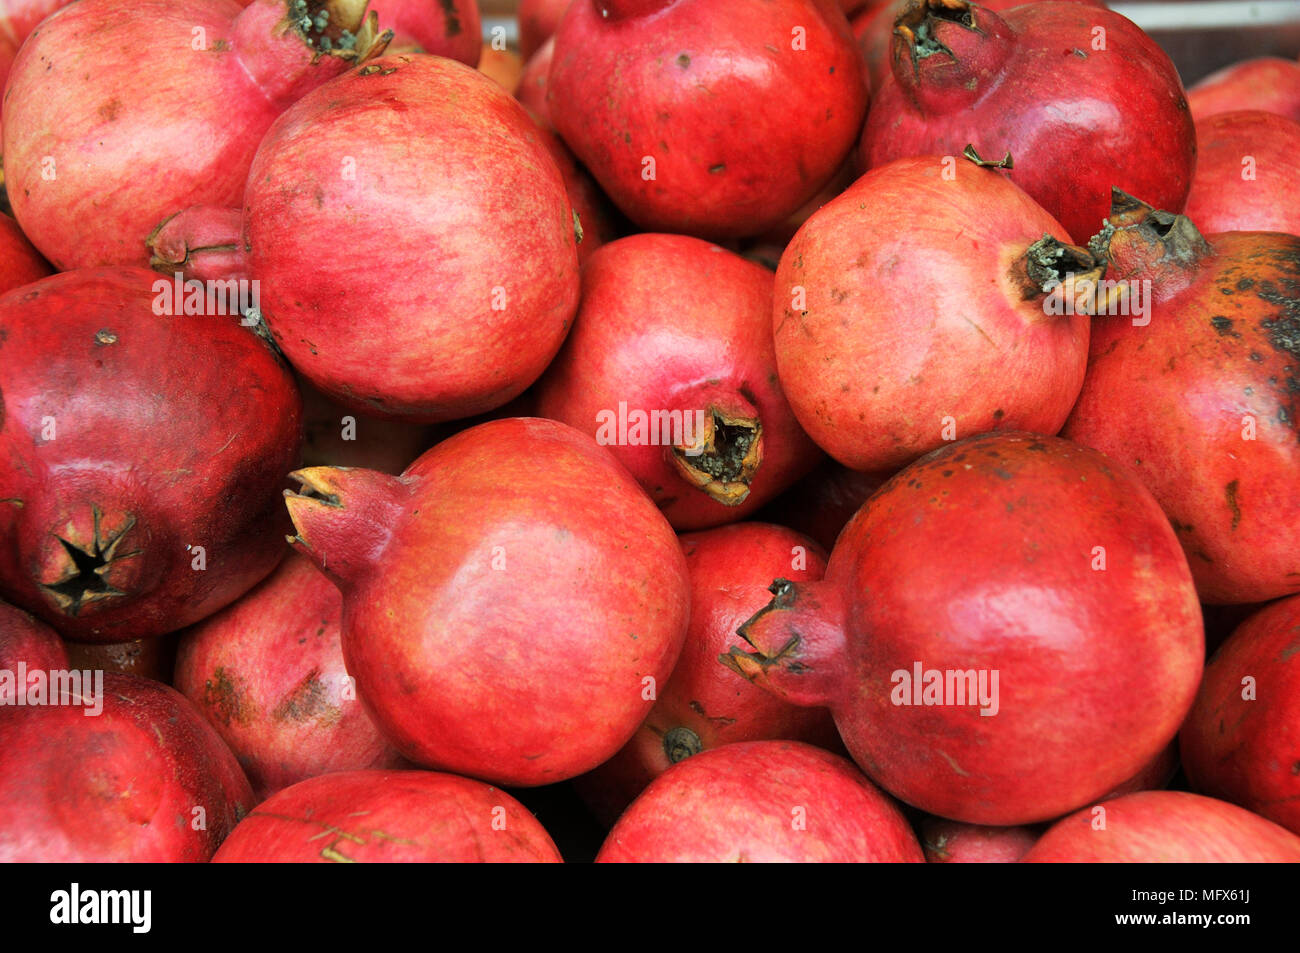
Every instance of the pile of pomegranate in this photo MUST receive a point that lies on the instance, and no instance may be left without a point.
(808, 430)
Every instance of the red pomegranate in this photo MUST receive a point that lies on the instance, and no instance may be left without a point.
(1199, 396)
(762, 801)
(1153, 776)
(1242, 740)
(502, 618)
(1080, 97)
(538, 21)
(143, 450)
(119, 113)
(534, 83)
(974, 633)
(27, 642)
(120, 771)
(952, 842)
(1165, 827)
(148, 658)
(658, 99)
(597, 222)
(389, 817)
(670, 366)
(20, 263)
(1246, 173)
(703, 706)
(268, 674)
(824, 501)
(915, 308)
(450, 28)
(1269, 83)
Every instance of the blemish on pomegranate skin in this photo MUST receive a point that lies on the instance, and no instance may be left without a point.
(109, 111)
(1230, 494)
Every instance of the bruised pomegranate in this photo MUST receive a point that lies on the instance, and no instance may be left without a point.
(1242, 740)
(142, 453)
(1199, 397)
(1247, 173)
(1080, 97)
(20, 263)
(920, 306)
(119, 113)
(118, 770)
(1269, 83)
(450, 28)
(1161, 827)
(658, 98)
(27, 642)
(670, 365)
(510, 603)
(389, 817)
(952, 842)
(268, 674)
(974, 634)
(762, 801)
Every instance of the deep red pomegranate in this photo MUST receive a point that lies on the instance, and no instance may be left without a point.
(511, 604)
(268, 674)
(20, 263)
(952, 842)
(659, 99)
(461, 272)
(1242, 740)
(144, 780)
(1153, 776)
(824, 501)
(389, 817)
(703, 706)
(27, 642)
(1165, 827)
(149, 658)
(914, 309)
(762, 801)
(336, 436)
(538, 21)
(670, 366)
(1081, 98)
(1247, 169)
(1200, 396)
(142, 454)
(974, 633)
(450, 28)
(534, 83)
(1269, 83)
(119, 113)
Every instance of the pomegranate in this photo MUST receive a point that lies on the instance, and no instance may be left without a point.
(131, 506)
(657, 98)
(389, 817)
(534, 83)
(1269, 83)
(918, 306)
(25, 641)
(450, 28)
(1246, 173)
(762, 801)
(1242, 739)
(146, 780)
(1165, 827)
(1199, 396)
(501, 618)
(952, 842)
(149, 658)
(670, 365)
(703, 706)
(973, 636)
(17, 20)
(119, 113)
(1154, 775)
(824, 501)
(335, 436)
(20, 263)
(268, 674)
(595, 218)
(538, 20)
(1081, 98)
(461, 275)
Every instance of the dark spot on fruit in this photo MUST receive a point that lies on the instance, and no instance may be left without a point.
(947, 473)
(999, 414)
(718, 169)
(308, 700)
(1245, 284)
(1230, 494)
(1223, 326)
(1256, 356)
(105, 336)
(223, 697)
(1002, 474)
(683, 61)
(109, 111)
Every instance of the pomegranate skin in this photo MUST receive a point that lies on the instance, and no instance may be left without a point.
(534, 83)
(450, 28)
(20, 263)
(389, 817)
(952, 842)
(336, 436)
(1266, 82)
(538, 21)
(146, 781)
(461, 275)
(667, 324)
(762, 802)
(1075, 712)
(1241, 742)
(1247, 169)
(895, 331)
(1201, 402)
(268, 674)
(503, 619)
(598, 222)
(822, 503)
(25, 639)
(1164, 827)
(675, 83)
(1076, 125)
(148, 658)
(114, 466)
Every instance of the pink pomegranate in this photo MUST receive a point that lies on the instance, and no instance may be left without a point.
(450, 28)
(17, 20)
(1246, 173)
(501, 618)
(119, 113)
(27, 642)
(921, 306)
(1269, 83)
(20, 263)
(952, 842)
(762, 801)
(120, 771)
(973, 634)
(1165, 827)
(268, 674)
(1079, 96)
(130, 506)
(538, 20)
(658, 99)
(1199, 396)
(1242, 740)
